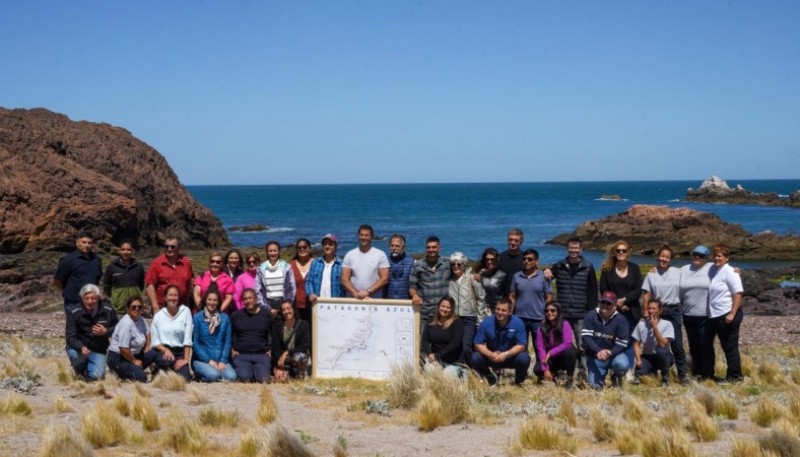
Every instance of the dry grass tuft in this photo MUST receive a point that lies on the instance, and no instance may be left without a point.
(430, 413)
(13, 403)
(794, 373)
(267, 409)
(628, 441)
(748, 365)
(61, 441)
(539, 434)
(768, 411)
(61, 406)
(604, 428)
(701, 425)
(183, 435)
(340, 447)
(64, 373)
(567, 412)
(143, 411)
(673, 418)
(716, 404)
(745, 448)
(102, 426)
(169, 380)
(195, 397)
(404, 386)
(280, 442)
(445, 399)
(249, 444)
(141, 391)
(213, 417)
(122, 406)
(633, 410)
(770, 372)
(780, 443)
(670, 444)
(792, 352)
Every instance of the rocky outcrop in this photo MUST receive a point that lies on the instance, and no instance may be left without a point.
(716, 190)
(62, 176)
(646, 228)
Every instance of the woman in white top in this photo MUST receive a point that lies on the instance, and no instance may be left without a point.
(724, 315)
(651, 340)
(274, 280)
(130, 353)
(694, 302)
(172, 335)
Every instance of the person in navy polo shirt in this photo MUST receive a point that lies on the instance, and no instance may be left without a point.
(501, 342)
(77, 269)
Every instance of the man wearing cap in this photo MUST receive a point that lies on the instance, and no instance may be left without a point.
(605, 338)
(169, 268)
(365, 269)
(76, 269)
(325, 274)
(694, 284)
(400, 265)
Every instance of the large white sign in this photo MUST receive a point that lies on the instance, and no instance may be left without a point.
(363, 338)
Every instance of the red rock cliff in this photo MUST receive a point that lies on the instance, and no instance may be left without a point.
(58, 177)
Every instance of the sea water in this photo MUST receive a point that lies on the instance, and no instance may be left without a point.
(466, 217)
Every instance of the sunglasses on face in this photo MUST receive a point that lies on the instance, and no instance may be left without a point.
(490, 260)
(622, 251)
(303, 248)
(529, 259)
(252, 262)
(135, 307)
(458, 265)
(551, 311)
(170, 247)
(215, 262)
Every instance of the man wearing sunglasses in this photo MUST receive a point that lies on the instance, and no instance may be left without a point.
(605, 337)
(171, 267)
(400, 265)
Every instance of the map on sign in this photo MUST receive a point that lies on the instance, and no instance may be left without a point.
(363, 339)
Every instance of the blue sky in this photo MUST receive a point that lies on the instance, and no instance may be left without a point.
(260, 92)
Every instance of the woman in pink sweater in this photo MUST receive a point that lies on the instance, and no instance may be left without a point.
(555, 350)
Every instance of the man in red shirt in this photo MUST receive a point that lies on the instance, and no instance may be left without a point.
(166, 269)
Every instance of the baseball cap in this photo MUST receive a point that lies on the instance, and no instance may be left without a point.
(700, 249)
(608, 297)
(331, 237)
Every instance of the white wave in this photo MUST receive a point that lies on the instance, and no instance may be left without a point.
(601, 199)
(279, 229)
(675, 200)
(783, 196)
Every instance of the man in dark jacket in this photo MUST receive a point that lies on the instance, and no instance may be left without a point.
(88, 332)
(605, 337)
(76, 269)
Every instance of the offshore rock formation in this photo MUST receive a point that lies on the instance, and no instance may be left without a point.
(647, 227)
(60, 176)
(716, 190)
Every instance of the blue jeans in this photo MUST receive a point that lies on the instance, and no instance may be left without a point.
(206, 373)
(252, 367)
(531, 327)
(599, 368)
(91, 367)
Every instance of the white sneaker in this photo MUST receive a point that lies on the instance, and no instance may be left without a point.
(629, 376)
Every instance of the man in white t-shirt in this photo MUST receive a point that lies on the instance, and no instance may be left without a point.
(365, 269)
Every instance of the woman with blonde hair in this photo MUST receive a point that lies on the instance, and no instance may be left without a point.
(623, 277)
(442, 338)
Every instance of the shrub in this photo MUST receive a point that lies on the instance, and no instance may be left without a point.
(781, 443)
(604, 428)
(195, 397)
(430, 413)
(267, 409)
(701, 425)
(633, 410)
(213, 417)
(169, 380)
(538, 434)
(15, 404)
(670, 444)
(767, 411)
(61, 406)
(102, 426)
(61, 441)
(183, 435)
(628, 441)
(770, 372)
(404, 386)
(144, 412)
(445, 400)
(279, 442)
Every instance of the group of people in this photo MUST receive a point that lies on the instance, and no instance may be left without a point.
(252, 321)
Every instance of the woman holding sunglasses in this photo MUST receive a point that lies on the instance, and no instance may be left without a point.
(468, 299)
(130, 353)
(555, 350)
(214, 279)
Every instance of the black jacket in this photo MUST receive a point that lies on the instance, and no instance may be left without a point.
(79, 328)
(302, 339)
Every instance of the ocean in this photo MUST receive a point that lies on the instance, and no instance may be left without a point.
(466, 217)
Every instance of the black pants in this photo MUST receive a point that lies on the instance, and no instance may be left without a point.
(654, 363)
(695, 332)
(565, 361)
(729, 340)
(127, 370)
(162, 364)
(672, 314)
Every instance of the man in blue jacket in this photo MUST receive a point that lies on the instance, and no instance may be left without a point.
(501, 342)
(605, 337)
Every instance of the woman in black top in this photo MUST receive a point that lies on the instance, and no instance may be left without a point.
(492, 278)
(624, 278)
(291, 343)
(442, 338)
